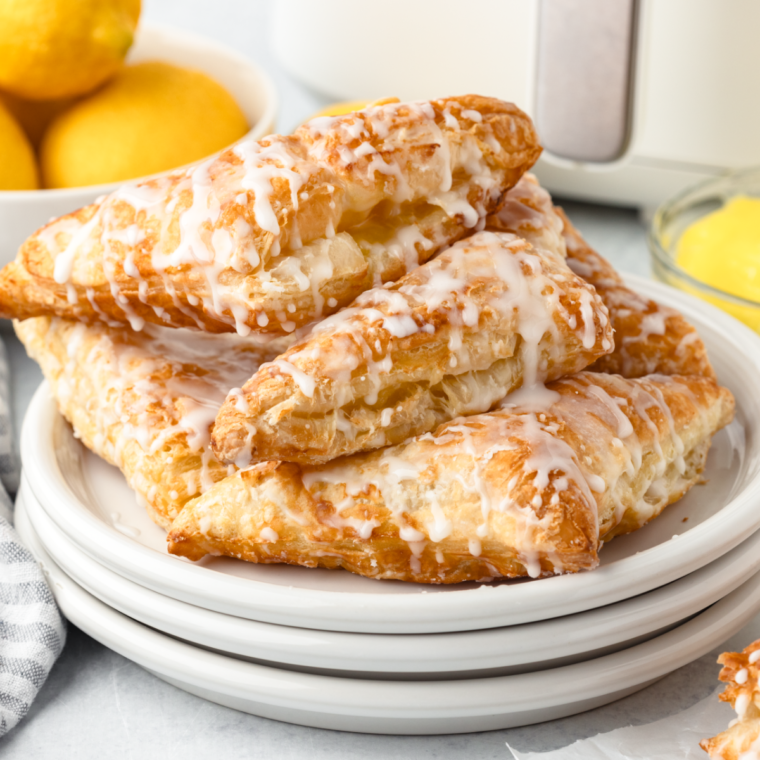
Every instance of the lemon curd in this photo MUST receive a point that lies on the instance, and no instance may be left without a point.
(722, 250)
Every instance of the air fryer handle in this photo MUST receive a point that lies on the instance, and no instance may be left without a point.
(585, 77)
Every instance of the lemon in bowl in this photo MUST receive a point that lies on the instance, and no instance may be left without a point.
(350, 106)
(34, 116)
(151, 117)
(18, 166)
(339, 109)
(58, 48)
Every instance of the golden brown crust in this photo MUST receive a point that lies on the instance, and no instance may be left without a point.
(527, 211)
(526, 490)
(649, 337)
(272, 234)
(741, 741)
(451, 338)
(144, 401)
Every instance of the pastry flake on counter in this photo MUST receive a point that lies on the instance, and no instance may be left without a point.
(451, 338)
(528, 490)
(741, 740)
(271, 235)
(146, 401)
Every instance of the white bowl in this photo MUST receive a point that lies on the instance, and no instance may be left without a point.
(92, 504)
(397, 707)
(24, 211)
(435, 656)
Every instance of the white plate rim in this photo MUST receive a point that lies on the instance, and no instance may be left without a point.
(576, 636)
(406, 707)
(485, 607)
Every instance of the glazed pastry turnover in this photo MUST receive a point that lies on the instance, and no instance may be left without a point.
(271, 235)
(649, 338)
(741, 741)
(452, 337)
(145, 401)
(529, 489)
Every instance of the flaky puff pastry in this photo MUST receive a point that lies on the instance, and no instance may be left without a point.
(530, 489)
(528, 211)
(741, 741)
(452, 337)
(649, 337)
(146, 401)
(273, 234)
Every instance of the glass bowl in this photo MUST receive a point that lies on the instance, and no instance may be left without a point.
(672, 219)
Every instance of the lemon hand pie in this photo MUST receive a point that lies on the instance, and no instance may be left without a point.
(452, 337)
(145, 401)
(528, 490)
(649, 337)
(271, 235)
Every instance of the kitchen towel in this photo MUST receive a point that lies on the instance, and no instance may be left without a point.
(32, 631)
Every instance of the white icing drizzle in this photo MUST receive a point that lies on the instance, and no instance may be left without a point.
(64, 260)
(263, 162)
(305, 383)
(268, 534)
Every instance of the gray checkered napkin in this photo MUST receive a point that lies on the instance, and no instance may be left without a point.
(32, 631)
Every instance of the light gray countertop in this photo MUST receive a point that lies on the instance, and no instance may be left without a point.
(97, 704)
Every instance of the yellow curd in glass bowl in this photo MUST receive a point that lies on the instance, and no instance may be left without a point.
(707, 242)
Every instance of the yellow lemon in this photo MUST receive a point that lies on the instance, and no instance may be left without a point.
(18, 169)
(34, 115)
(338, 109)
(149, 118)
(133, 8)
(58, 48)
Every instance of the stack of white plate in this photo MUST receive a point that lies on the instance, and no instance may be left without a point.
(329, 649)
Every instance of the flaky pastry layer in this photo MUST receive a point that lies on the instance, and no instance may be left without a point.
(530, 489)
(146, 401)
(741, 740)
(527, 210)
(273, 234)
(452, 337)
(649, 338)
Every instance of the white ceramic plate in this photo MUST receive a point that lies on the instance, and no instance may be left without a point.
(398, 707)
(22, 212)
(91, 502)
(494, 651)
